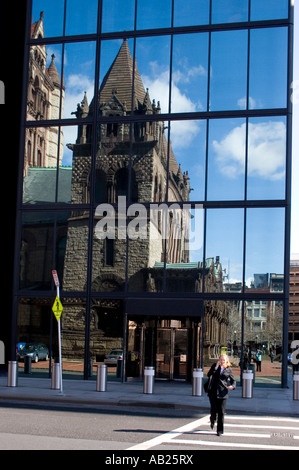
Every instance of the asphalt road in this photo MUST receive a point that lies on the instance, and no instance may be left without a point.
(167, 432)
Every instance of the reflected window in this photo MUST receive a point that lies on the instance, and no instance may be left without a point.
(81, 19)
(153, 14)
(78, 78)
(100, 187)
(44, 91)
(40, 164)
(228, 74)
(189, 73)
(36, 251)
(269, 9)
(184, 250)
(224, 250)
(268, 68)
(47, 18)
(226, 159)
(122, 184)
(75, 227)
(229, 11)
(118, 15)
(188, 139)
(153, 63)
(263, 339)
(266, 158)
(264, 247)
(191, 12)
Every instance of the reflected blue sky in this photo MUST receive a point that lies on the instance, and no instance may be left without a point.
(228, 72)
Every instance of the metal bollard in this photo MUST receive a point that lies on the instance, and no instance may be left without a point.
(247, 384)
(296, 386)
(102, 378)
(12, 374)
(55, 385)
(148, 384)
(197, 382)
(90, 368)
(27, 365)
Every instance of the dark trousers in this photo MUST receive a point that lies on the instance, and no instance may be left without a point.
(218, 406)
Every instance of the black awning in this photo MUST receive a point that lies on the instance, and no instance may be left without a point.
(169, 307)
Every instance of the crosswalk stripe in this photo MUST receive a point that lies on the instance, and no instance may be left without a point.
(196, 428)
(260, 426)
(167, 437)
(235, 434)
(233, 444)
(262, 418)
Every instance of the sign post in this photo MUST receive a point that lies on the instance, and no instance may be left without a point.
(57, 310)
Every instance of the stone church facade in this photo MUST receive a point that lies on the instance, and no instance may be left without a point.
(135, 153)
(130, 169)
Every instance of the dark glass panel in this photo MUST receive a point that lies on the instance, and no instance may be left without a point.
(36, 251)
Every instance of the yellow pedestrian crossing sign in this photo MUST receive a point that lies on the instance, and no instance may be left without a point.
(57, 308)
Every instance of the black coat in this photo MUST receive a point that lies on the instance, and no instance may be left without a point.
(219, 382)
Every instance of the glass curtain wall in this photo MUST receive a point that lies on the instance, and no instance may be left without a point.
(155, 163)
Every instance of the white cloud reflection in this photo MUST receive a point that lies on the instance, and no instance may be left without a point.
(266, 151)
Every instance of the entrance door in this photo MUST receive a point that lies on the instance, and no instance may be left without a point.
(172, 353)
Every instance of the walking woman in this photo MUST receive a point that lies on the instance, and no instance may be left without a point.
(219, 375)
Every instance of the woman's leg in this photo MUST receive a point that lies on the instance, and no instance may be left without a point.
(221, 405)
(213, 411)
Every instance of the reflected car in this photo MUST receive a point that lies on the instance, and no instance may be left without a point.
(37, 352)
(113, 356)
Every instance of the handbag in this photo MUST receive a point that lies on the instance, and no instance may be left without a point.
(207, 384)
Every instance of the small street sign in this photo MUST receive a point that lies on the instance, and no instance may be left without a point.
(57, 308)
(55, 277)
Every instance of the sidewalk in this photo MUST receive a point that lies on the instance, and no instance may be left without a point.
(171, 395)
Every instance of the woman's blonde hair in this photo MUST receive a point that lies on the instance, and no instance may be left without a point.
(227, 363)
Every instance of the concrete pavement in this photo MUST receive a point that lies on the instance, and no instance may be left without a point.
(171, 395)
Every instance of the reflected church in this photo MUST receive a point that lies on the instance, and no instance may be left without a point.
(142, 293)
(131, 163)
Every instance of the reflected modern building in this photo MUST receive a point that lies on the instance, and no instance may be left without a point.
(162, 195)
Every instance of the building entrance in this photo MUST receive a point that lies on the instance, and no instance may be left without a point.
(172, 347)
(172, 353)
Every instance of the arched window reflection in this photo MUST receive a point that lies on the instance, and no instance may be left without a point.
(100, 187)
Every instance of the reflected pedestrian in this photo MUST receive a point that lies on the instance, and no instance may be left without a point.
(272, 356)
(219, 374)
(258, 359)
